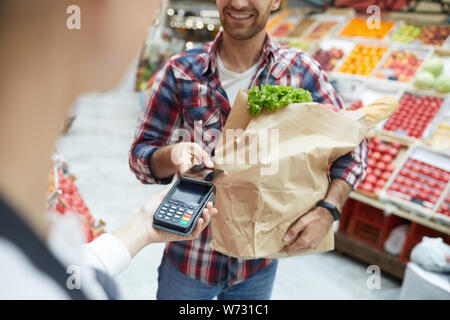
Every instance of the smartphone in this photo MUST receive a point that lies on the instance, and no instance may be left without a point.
(201, 174)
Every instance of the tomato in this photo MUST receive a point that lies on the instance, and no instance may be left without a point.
(376, 156)
(387, 158)
(380, 165)
(377, 172)
(371, 178)
(367, 187)
(380, 183)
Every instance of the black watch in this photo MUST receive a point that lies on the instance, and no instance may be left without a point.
(334, 211)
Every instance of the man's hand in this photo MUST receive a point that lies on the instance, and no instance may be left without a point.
(177, 158)
(309, 230)
(312, 227)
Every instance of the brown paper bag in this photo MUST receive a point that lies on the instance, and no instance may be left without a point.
(257, 202)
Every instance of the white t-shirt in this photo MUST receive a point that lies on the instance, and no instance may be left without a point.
(232, 82)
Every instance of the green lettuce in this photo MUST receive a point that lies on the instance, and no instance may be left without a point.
(274, 97)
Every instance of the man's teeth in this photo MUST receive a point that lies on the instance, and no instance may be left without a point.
(240, 16)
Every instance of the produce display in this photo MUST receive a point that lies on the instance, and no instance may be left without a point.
(303, 45)
(407, 33)
(274, 97)
(283, 29)
(328, 58)
(432, 76)
(301, 27)
(420, 183)
(445, 207)
(321, 30)
(363, 59)
(400, 65)
(381, 157)
(357, 27)
(414, 114)
(68, 200)
(434, 35)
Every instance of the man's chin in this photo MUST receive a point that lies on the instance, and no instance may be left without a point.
(241, 35)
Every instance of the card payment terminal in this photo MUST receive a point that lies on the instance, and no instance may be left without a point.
(183, 205)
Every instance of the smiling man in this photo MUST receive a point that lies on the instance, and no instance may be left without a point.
(198, 88)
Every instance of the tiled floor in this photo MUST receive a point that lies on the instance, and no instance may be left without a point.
(97, 148)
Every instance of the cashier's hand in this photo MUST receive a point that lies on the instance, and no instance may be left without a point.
(308, 230)
(156, 235)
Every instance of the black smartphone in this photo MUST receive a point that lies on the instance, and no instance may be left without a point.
(202, 175)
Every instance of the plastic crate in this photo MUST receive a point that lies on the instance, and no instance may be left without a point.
(415, 234)
(370, 225)
(346, 214)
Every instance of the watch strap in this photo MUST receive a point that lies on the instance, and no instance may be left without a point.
(333, 210)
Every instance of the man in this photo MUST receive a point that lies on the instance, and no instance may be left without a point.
(199, 87)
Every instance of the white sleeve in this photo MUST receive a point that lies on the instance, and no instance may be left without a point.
(107, 254)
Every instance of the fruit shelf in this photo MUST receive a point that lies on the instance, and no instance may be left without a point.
(64, 198)
(363, 59)
(331, 52)
(429, 88)
(357, 28)
(417, 117)
(433, 35)
(384, 156)
(418, 184)
(400, 212)
(401, 63)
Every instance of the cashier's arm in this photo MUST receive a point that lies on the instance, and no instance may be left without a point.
(138, 232)
(312, 227)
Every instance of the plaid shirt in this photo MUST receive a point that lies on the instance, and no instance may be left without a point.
(187, 88)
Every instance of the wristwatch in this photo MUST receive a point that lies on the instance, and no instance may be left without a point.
(334, 211)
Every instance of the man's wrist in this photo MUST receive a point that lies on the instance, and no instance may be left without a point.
(330, 208)
(160, 163)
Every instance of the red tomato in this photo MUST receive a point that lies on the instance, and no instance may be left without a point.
(371, 178)
(380, 165)
(380, 183)
(367, 187)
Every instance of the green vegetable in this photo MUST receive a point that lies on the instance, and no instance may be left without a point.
(424, 80)
(435, 65)
(274, 97)
(442, 84)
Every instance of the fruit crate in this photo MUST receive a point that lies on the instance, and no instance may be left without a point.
(415, 234)
(363, 59)
(431, 35)
(357, 29)
(370, 225)
(384, 157)
(417, 117)
(346, 214)
(442, 213)
(444, 55)
(325, 26)
(418, 183)
(331, 52)
(401, 63)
